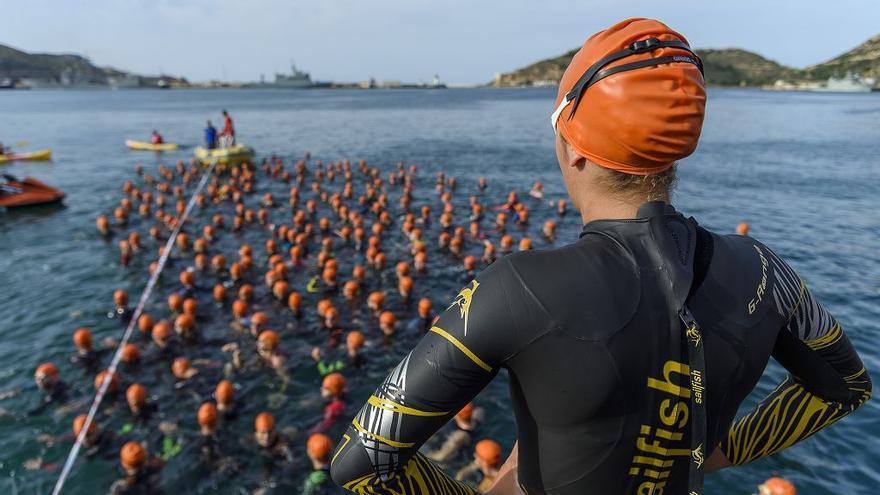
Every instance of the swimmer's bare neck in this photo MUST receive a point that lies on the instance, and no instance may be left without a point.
(587, 187)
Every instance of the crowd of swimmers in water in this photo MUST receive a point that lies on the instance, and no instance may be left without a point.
(336, 216)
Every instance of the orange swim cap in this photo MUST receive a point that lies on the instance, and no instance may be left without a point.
(179, 367)
(334, 383)
(132, 455)
(99, 380)
(207, 415)
(319, 446)
(224, 392)
(489, 451)
(239, 308)
(743, 228)
(777, 486)
(175, 303)
(185, 322)
(376, 299)
(387, 318)
(294, 300)
(466, 412)
(79, 422)
(219, 292)
(264, 422)
(189, 306)
(161, 330)
(145, 323)
(355, 339)
(633, 98)
(130, 354)
(425, 307)
(120, 297)
(269, 339)
(82, 338)
(136, 394)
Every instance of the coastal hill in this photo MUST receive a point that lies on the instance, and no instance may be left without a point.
(66, 70)
(863, 59)
(725, 67)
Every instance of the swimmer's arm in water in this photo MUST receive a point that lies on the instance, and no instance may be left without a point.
(826, 380)
(452, 363)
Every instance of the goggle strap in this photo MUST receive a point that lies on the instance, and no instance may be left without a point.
(671, 59)
(643, 46)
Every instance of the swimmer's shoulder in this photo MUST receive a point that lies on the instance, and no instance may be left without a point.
(585, 283)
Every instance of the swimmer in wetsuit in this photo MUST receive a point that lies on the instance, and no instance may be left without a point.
(630, 350)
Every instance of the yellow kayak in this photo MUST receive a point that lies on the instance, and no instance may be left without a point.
(144, 146)
(40, 155)
(234, 154)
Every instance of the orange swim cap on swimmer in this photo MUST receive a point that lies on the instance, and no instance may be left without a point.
(219, 293)
(132, 455)
(161, 330)
(99, 380)
(175, 303)
(294, 301)
(120, 297)
(184, 322)
(387, 318)
(355, 339)
(79, 422)
(743, 228)
(319, 446)
(82, 339)
(425, 307)
(130, 354)
(489, 451)
(239, 308)
(190, 306)
(224, 392)
(777, 486)
(466, 412)
(334, 383)
(145, 323)
(264, 422)
(179, 367)
(207, 415)
(269, 339)
(136, 394)
(633, 98)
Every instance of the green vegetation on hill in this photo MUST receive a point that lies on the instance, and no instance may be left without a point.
(863, 60)
(725, 67)
(63, 69)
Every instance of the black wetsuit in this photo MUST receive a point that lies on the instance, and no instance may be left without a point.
(596, 354)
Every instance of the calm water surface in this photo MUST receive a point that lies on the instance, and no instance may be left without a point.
(801, 168)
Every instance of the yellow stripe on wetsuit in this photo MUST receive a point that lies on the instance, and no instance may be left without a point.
(379, 438)
(390, 405)
(457, 343)
(826, 340)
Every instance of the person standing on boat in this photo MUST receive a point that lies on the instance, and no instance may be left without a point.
(210, 136)
(227, 135)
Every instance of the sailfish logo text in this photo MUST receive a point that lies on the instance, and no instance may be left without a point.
(463, 299)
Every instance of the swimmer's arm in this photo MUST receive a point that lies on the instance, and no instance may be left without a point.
(378, 454)
(826, 380)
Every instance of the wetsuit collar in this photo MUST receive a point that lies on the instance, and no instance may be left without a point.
(648, 210)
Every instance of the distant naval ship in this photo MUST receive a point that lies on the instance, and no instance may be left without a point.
(850, 83)
(296, 79)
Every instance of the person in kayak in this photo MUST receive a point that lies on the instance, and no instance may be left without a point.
(156, 138)
(606, 340)
(210, 136)
(227, 135)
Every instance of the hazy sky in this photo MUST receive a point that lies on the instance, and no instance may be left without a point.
(409, 40)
